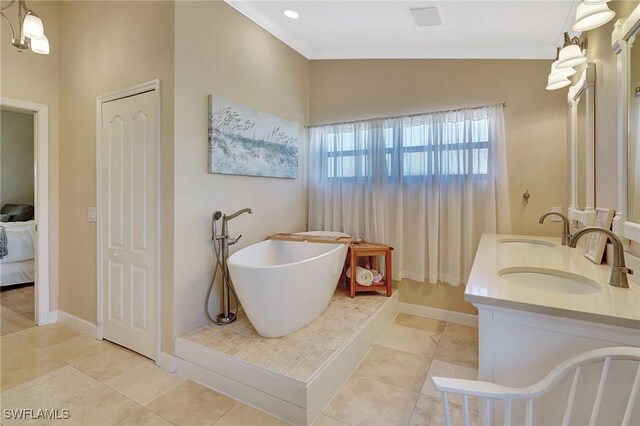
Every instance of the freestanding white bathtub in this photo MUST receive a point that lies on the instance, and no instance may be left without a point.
(285, 285)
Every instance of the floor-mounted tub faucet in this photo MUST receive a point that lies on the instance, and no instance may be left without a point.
(566, 234)
(618, 271)
(221, 243)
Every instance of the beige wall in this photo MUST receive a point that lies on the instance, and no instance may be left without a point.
(105, 47)
(31, 77)
(535, 121)
(439, 295)
(534, 118)
(599, 51)
(16, 157)
(219, 51)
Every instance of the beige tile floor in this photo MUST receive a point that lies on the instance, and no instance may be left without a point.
(17, 308)
(101, 383)
(392, 385)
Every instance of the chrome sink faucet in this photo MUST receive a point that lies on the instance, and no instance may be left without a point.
(566, 234)
(618, 271)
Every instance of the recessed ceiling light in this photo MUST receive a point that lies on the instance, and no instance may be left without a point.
(291, 14)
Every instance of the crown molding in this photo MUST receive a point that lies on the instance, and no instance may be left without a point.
(449, 52)
(247, 9)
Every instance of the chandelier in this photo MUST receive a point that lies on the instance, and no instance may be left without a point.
(30, 34)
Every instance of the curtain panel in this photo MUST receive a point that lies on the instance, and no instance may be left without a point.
(429, 185)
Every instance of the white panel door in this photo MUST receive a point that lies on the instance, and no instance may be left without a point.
(129, 214)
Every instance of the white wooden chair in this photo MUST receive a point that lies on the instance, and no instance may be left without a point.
(490, 391)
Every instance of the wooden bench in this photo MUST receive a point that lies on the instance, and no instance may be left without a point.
(372, 251)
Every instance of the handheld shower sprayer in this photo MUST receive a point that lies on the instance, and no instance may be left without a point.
(221, 243)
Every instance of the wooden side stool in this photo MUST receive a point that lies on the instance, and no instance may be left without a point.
(372, 251)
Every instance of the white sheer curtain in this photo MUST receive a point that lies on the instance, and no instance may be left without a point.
(429, 185)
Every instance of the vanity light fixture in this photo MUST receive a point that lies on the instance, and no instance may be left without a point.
(291, 14)
(571, 53)
(30, 29)
(591, 15)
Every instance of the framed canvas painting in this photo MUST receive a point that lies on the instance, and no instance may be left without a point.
(244, 141)
(598, 242)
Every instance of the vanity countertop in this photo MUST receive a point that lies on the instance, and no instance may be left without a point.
(612, 305)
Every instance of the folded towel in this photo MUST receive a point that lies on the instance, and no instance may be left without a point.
(363, 276)
(4, 250)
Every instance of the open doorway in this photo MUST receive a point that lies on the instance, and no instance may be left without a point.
(24, 275)
(17, 220)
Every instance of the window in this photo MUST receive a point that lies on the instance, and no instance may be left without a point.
(411, 150)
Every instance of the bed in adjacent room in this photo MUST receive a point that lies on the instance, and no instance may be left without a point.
(17, 264)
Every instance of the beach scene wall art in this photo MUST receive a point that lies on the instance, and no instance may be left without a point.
(244, 141)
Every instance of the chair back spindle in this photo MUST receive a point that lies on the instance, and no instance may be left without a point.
(492, 392)
(600, 392)
(445, 401)
(633, 398)
(465, 410)
(566, 418)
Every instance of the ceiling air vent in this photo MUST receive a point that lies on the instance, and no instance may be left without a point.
(426, 16)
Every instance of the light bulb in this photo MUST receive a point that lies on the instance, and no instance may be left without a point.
(32, 27)
(40, 45)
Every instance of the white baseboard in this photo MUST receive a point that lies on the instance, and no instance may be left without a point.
(439, 314)
(166, 361)
(78, 324)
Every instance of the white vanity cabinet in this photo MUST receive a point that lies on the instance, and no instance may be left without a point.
(526, 331)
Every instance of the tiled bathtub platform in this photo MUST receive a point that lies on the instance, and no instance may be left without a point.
(295, 376)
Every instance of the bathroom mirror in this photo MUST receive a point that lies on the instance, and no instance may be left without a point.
(633, 160)
(581, 100)
(626, 45)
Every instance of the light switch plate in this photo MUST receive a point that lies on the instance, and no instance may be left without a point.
(556, 218)
(92, 215)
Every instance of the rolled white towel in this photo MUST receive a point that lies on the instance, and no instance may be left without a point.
(363, 276)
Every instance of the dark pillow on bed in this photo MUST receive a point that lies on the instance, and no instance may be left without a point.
(5, 217)
(19, 212)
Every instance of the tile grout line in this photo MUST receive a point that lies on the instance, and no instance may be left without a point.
(413, 410)
(226, 412)
(133, 369)
(333, 418)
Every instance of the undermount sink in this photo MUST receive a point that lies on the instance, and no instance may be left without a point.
(525, 242)
(550, 280)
